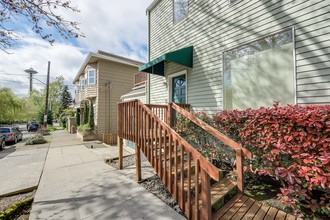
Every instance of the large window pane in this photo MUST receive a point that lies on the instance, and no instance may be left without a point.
(180, 9)
(91, 77)
(260, 73)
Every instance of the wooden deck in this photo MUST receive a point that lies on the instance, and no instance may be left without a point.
(242, 207)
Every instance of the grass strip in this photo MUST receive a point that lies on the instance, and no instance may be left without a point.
(15, 209)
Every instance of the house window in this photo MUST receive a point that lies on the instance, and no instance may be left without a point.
(259, 73)
(77, 88)
(91, 77)
(180, 10)
(82, 83)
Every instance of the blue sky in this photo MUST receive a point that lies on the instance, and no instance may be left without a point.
(118, 27)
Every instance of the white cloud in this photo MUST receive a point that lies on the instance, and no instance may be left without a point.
(118, 27)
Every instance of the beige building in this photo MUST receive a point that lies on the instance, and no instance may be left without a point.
(102, 79)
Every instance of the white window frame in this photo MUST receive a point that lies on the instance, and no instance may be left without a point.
(82, 85)
(88, 76)
(169, 84)
(173, 14)
(293, 29)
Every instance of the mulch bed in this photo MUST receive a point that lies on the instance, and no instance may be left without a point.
(7, 202)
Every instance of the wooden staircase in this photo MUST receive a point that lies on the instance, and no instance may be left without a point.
(199, 187)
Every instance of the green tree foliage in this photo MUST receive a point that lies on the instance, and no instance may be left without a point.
(43, 16)
(66, 98)
(78, 117)
(11, 107)
(41, 114)
(91, 116)
(85, 118)
(37, 99)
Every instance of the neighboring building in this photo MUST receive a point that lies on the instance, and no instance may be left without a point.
(237, 54)
(139, 89)
(102, 79)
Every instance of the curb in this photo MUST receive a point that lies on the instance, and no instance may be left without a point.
(26, 190)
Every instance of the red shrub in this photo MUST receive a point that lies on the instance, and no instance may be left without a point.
(291, 143)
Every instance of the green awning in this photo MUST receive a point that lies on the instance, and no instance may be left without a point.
(183, 57)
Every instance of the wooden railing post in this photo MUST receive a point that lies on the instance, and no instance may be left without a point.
(120, 149)
(206, 212)
(120, 135)
(169, 115)
(137, 145)
(239, 170)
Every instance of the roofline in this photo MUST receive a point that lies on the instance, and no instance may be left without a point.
(152, 5)
(108, 57)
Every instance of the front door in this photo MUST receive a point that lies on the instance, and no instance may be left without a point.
(178, 94)
(179, 89)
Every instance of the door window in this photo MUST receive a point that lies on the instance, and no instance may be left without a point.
(179, 89)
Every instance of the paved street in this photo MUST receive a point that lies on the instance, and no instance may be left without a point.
(21, 165)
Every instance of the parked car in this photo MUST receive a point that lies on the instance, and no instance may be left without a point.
(33, 126)
(11, 134)
(2, 142)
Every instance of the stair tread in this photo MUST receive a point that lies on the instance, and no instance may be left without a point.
(245, 208)
(219, 190)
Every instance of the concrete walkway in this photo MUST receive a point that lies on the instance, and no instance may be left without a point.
(21, 167)
(77, 184)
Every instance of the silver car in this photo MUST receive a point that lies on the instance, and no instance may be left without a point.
(12, 134)
(2, 142)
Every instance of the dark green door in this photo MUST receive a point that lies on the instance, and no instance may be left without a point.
(179, 89)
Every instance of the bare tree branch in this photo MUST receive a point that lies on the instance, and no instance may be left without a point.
(43, 16)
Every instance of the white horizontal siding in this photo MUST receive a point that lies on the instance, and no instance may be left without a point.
(213, 27)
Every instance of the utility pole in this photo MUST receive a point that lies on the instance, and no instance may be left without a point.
(30, 71)
(47, 91)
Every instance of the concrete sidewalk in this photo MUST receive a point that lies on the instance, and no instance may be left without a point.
(77, 184)
(21, 167)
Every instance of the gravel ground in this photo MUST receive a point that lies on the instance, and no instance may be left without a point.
(152, 184)
(7, 202)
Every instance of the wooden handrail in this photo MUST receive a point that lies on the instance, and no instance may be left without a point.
(212, 170)
(170, 155)
(214, 132)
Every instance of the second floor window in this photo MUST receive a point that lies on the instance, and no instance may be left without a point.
(91, 77)
(180, 9)
(82, 83)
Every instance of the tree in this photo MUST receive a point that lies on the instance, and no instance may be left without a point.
(78, 117)
(91, 116)
(37, 98)
(41, 114)
(85, 118)
(66, 98)
(11, 106)
(44, 17)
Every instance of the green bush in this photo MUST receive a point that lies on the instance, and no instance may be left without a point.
(78, 117)
(63, 119)
(85, 114)
(85, 129)
(91, 116)
(51, 128)
(38, 139)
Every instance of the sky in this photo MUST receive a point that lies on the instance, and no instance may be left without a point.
(118, 27)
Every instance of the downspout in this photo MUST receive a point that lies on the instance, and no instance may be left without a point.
(148, 92)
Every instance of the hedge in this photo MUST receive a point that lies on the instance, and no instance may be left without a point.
(291, 143)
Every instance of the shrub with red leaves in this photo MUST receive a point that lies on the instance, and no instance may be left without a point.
(291, 143)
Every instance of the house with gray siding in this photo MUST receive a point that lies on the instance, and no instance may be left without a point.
(238, 54)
